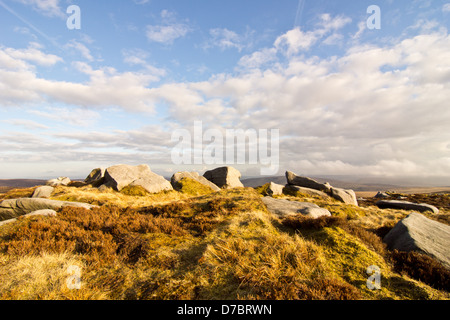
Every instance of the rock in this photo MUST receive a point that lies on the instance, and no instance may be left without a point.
(405, 205)
(176, 178)
(381, 195)
(274, 189)
(291, 189)
(104, 188)
(283, 208)
(45, 213)
(14, 208)
(418, 233)
(293, 179)
(43, 192)
(61, 181)
(225, 177)
(96, 177)
(120, 176)
(346, 196)
(77, 184)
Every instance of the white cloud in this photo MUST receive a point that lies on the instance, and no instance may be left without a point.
(446, 7)
(166, 34)
(76, 117)
(81, 48)
(227, 39)
(376, 109)
(169, 30)
(32, 54)
(25, 123)
(362, 26)
(258, 58)
(293, 41)
(47, 7)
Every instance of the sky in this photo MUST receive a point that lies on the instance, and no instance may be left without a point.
(350, 91)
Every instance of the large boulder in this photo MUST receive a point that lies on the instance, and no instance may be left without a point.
(121, 176)
(13, 208)
(274, 189)
(291, 189)
(293, 179)
(418, 233)
(45, 213)
(177, 177)
(405, 205)
(346, 196)
(284, 208)
(61, 181)
(43, 192)
(96, 177)
(225, 177)
(381, 195)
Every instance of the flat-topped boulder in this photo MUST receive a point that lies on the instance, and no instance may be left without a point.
(95, 177)
(44, 213)
(177, 177)
(121, 176)
(418, 233)
(293, 179)
(347, 196)
(291, 189)
(274, 189)
(284, 208)
(224, 177)
(405, 205)
(43, 192)
(13, 208)
(61, 181)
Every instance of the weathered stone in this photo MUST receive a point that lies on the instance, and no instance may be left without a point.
(381, 195)
(45, 213)
(283, 208)
(346, 196)
(293, 179)
(43, 192)
(61, 181)
(104, 188)
(405, 205)
(96, 177)
(290, 189)
(176, 178)
(418, 233)
(224, 177)
(120, 176)
(13, 208)
(274, 189)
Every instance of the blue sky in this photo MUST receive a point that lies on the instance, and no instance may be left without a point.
(346, 99)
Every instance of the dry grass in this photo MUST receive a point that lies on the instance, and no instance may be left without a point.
(222, 245)
(129, 197)
(17, 193)
(43, 277)
(422, 267)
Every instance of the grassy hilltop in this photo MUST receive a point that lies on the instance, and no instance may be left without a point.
(199, 244)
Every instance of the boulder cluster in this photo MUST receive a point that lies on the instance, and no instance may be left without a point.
(414, 233)
(121, 176)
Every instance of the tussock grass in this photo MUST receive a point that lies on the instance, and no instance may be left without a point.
(43, 277)
(221, 245)
(17, 193)
(128, 197)
(194, 188)
(422, 267)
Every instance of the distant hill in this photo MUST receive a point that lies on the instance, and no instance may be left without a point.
(21, 183)
(355, 185)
